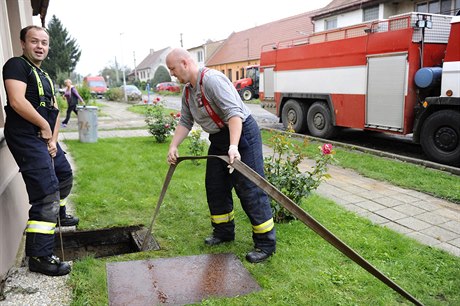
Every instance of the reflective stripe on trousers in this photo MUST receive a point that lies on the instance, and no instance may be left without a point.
(40, 227)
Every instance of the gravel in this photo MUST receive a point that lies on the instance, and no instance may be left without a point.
(23, 287)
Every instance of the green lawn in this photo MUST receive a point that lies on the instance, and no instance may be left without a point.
(118, 182)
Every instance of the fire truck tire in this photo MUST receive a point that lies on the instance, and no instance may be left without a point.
(440, 137)
(247, 94)
(294, 116)
(320, 121)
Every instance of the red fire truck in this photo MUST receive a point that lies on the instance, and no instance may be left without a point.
(399, 75)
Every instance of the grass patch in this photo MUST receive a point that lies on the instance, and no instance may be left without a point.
(142, 109)
(434, 182)
(118, 182)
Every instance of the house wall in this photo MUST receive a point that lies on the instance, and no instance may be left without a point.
(235, 68)
(347, 19)
(14, 15)
(355, 17)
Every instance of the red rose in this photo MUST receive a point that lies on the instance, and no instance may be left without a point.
(326, 148)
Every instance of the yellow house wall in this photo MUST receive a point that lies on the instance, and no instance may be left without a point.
(231, 69)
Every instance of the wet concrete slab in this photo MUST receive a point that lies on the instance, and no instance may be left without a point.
(177, 280)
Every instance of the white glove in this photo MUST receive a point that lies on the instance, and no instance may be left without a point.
(233, 154)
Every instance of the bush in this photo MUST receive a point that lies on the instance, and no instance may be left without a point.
(281, 170)
(85, 93)
(160, 125)
(196, 145)
(114, 94)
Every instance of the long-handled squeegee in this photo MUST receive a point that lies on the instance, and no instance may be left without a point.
(296, 210)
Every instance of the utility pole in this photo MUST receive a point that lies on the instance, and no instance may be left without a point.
(122, 67)
(116, 70)
(135, 70)
(181, 42)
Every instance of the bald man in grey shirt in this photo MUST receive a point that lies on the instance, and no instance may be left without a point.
(211, 100)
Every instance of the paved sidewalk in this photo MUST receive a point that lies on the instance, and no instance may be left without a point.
(430, 220)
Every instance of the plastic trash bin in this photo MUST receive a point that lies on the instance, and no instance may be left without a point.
(87, 123)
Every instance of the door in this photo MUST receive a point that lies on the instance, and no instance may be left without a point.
(386, 90)
(269, 83)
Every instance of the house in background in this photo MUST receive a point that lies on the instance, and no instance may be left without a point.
(242, 49)
(146, 69)
(343, 13)
(202, 53)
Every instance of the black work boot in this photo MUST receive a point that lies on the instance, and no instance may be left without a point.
(213, 240)
(49, 265)
(257, 255)
(69, 220)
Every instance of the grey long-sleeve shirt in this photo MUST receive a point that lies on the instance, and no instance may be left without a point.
(221, 95)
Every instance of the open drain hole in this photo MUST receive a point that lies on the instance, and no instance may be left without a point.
(103, 242)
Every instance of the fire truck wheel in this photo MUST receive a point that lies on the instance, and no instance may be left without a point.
(293, 116)
(440, 137)
(320, 121)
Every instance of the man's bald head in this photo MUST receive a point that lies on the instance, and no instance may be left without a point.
(178, 54)
(181, 65)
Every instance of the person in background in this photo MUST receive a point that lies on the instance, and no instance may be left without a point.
(73, 97)
(211, 100)
(31, 133)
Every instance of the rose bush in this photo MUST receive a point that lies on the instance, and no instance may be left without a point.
(282, 171)
(160, 124)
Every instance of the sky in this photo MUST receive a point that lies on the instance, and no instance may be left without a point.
(124, 31)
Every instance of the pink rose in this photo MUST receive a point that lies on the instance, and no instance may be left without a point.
(157, 99)
(326, 148)
(167, 125)
(178, 115)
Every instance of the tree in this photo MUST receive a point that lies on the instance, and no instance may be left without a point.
(64, 52)
(161, 75)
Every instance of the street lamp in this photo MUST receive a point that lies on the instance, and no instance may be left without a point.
(123, 68)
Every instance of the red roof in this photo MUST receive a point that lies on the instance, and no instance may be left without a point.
(246, 45)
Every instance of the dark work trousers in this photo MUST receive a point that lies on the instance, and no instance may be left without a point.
(47, 180)
(72, 107)
(219, 185)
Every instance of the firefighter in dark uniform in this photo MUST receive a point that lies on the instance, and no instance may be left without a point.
(31, 134)
(211, 100)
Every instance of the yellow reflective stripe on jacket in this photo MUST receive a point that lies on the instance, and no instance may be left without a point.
(41, 93)
(264, 227)
(41, 227)
(217, 219)
(63, 202)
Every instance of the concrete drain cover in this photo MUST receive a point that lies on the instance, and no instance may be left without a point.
(178, 280)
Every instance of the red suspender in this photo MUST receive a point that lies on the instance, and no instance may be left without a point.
(205, 102)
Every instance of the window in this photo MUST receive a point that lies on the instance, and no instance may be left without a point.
(242, 70)
(229, 74)
(237, 76)
(200, 56)
(330, 24)
(371, 13)
(438, 7)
